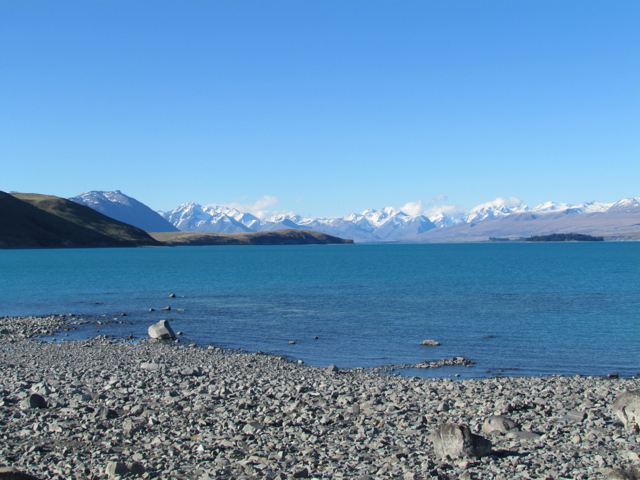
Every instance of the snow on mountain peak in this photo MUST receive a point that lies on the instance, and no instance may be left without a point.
(585, 207)
(499, 207)
(385, 224)
(625, 205)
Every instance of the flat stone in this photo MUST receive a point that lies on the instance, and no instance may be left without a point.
(523, 435)
(574, 416)
(498, 423)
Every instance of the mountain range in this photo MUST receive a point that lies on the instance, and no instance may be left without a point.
(502, 217)
(31, 220)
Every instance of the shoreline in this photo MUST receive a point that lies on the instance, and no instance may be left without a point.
(166, 410)
(62, 326)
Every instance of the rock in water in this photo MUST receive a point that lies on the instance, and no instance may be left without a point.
(458, 441)
(430, 343)
(627, 409)
(162, 330)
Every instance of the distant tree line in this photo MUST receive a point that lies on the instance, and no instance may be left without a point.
(565, 237)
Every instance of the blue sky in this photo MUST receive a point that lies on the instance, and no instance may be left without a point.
(322, 108)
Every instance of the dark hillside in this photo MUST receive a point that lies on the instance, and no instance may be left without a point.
(33, 220)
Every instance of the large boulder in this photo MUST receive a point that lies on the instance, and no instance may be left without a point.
(631, 473)
(627, 409)
(33, 401)
(458, 441)
(12, 473)
(162, 330)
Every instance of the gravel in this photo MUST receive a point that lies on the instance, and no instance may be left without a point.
(111, 408)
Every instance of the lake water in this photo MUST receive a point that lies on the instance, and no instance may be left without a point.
(526, 309)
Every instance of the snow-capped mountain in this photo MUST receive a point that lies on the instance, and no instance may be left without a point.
(627, 205)
(121, 207)
(500, 207)
(191, 217)
(384, 225)
(371, 225)
(586, 207)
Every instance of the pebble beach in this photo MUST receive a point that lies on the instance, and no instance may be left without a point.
(113, 408)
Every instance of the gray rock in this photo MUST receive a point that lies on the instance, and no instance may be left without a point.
(302, 473)
(252, 427)
(105, 413)
(332, 369)
(627, 409)
(116, 468)
(136, 468)
(152, 367)
(33, 401)
(499, 423)
(632, 473)
(458, 441)
(41, 389)
(430, 343)
(12, 473)
(574, 416)
(137, 410)
(523, 435)
(162, 330)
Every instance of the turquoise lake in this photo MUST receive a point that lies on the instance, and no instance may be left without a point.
(521, 308)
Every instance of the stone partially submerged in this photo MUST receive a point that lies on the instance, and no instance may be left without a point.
(458, 441)
(430, 343)
(162, 330)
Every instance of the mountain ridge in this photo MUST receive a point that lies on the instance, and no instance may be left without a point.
(395, 225)
(44, 221)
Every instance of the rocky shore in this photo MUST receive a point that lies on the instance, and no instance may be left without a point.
(107, 408)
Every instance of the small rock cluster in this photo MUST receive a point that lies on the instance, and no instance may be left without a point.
(108, 408)
(445, 362)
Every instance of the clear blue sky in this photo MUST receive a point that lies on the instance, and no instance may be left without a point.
(330, 106)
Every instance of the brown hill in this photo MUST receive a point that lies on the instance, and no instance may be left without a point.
(279, 237)
(31, 220)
